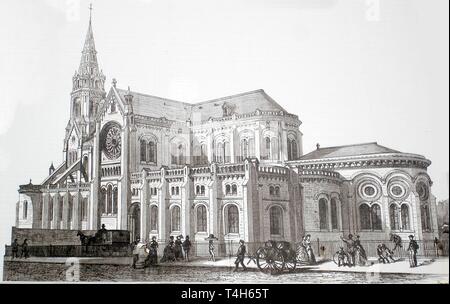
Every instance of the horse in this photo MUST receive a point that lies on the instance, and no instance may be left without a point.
(85, 240)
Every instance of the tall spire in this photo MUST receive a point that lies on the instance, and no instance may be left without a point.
(88, 81)
(88, 64)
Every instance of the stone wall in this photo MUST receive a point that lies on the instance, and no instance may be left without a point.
(47, 236)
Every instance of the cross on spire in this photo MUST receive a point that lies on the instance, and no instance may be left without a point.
(90, 11)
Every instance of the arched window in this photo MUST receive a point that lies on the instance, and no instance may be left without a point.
(277, 191)
(197, 189)
(70, 208)
(152, 152)
(334, 214)
(177, 153)
(376, 217)
(364, 217)
(405, 217)
(115, 201)
(172, 190)
(103, 200)
(76, 108)
(274, 149)
(292, 149)
(244, 148)
(154, 218)
(203, 154)
(233, 219)
(227, 189)
(86, 168)
(234, 189)
(177, 190)
(25, 209)
(271, 190)
(84, 208)
(109, 200)
(201, 219)
(202, 190)
(425, 215)
(60, 208)
(276, 220)
(267, 148)
(175, 219)
(50, 208)
(143, 153)
(323, 214)
(393, 216)
(113, 107)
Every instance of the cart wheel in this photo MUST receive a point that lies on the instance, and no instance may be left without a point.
(291, 265)
(335, 258)
(270, 260)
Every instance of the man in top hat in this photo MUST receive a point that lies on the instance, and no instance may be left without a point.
(186, 248)
(412, 249)
(350, 248)
(178, 248)
(210, 239)
(240, 255)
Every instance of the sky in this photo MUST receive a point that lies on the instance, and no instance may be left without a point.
(354, 71)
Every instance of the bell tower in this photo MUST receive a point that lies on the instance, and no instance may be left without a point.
(88, 85)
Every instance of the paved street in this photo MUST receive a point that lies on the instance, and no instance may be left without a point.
(203, 271)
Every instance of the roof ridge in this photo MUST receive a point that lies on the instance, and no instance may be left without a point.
(229, 96)
(148, 95)
(350, 145)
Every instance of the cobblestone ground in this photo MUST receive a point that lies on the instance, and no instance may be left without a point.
(18, 271)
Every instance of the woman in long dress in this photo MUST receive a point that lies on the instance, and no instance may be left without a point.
(360, 253)
(309, 250)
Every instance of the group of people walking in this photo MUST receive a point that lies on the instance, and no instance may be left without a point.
(24, 250)
(355, 253)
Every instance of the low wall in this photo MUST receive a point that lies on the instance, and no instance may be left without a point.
(47, 236)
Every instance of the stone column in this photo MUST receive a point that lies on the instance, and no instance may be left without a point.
(76, 222)
(144, 207)
(124, 193)
(162, 209)
(94, 215)
(45, 211)
(283, 145)
(232, 145)
(258, 142)
(213, 203)
(65, 213)
(330, 222)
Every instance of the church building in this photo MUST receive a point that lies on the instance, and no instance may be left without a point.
(233, 167)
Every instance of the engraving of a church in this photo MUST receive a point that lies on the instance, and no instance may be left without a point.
(233, 167)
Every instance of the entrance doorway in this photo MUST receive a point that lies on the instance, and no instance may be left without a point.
(134, 221)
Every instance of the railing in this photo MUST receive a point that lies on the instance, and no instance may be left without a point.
(75, 251)
(114, 170)
(222, 159)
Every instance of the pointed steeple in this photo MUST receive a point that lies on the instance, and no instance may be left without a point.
(88, 81)
(89, 64)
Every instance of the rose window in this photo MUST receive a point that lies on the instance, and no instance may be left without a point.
(112, 143)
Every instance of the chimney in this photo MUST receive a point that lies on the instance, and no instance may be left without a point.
(318, 146)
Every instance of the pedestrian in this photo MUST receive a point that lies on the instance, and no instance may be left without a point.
(135, 248)
(388, 253)
(381, 256)
(397, 241)
(211, 238)
(178, 248)
(154, 251)
(350, 248)
(360, 253)
(412, 249)
(169, 252)
(438, 247)
(25, 253)
(341, 257)
(309, 250)
(186, 248)
(15, 249)
(240, 255)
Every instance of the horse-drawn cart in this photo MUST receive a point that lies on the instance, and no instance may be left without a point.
(275, 257)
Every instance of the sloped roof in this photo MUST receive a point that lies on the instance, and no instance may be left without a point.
(348, 150)
(247, 102)
(158, 107)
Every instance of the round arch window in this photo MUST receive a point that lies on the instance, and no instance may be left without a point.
(111, 140)
(422, 191)
(369, 190)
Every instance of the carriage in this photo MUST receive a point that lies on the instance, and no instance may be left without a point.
(276, 257)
